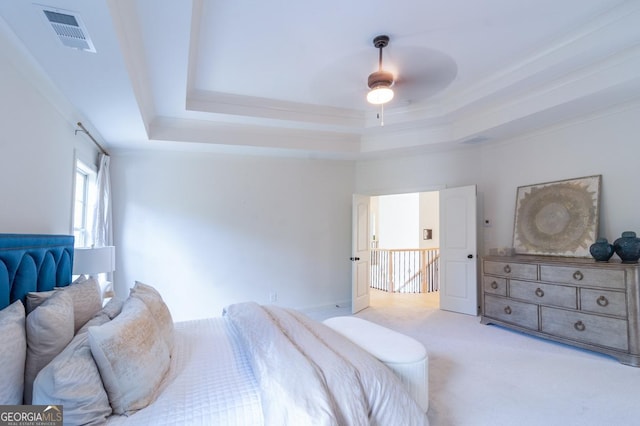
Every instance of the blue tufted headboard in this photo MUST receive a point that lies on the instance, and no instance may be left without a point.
(31, 262)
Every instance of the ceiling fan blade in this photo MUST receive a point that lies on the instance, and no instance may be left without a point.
(422, 73)
(419, 73)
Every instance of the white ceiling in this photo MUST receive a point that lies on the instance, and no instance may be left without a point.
(289, 76)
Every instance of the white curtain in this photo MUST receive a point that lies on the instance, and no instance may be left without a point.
(102, 232)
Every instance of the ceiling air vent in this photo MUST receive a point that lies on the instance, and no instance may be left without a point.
(69, 28)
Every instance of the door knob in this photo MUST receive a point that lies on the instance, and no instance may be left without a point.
(469, 256)
(354, 259)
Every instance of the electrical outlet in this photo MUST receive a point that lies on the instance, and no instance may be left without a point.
(273, 297)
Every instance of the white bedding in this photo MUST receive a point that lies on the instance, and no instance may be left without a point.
(311, 375)
(266, 365)
(210, 381)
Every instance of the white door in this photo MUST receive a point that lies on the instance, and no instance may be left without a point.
(360, 253)
(458, 250)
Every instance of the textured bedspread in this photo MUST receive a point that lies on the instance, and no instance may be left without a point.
(310, 375)
(210, 381)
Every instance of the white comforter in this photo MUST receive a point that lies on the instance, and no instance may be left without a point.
(310, 375)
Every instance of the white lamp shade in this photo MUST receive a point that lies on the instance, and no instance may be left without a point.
(94, 260)
(380, 95)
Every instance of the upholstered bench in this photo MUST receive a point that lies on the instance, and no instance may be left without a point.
(405, 356)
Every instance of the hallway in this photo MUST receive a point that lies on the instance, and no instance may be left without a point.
(381, 298)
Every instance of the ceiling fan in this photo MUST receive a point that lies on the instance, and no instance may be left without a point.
(380, 81)
(409, 74)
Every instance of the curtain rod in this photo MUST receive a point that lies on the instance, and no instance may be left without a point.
(84, 130)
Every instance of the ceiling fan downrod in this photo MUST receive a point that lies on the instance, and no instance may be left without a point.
(380, 82)
(380, 42)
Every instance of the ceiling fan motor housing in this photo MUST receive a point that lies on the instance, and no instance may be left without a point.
(380, 79)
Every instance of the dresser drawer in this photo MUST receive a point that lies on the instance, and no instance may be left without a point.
(583, 276)
(604, 302)
(514, 270)
(494, 285)
(512, 311)
(586, 328)
(544, 294)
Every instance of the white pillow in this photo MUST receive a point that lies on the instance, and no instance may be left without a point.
(108, 312)
(113, 307)
(86, 295)
(36, 298)
(98, 319)
(131, 356)
(13, 352)
(151, 297)
(49, 330)
(73, 381)
(87, 300)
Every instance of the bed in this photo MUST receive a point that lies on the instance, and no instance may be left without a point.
(128, 363)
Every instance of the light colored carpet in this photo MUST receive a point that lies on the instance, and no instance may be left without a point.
(487, 375)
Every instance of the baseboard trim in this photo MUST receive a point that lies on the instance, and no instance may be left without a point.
(339, 305)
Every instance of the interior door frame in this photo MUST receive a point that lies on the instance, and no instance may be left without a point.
(435, 188)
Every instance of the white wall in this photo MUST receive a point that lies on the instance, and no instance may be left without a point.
(36, 151)
(398, 221)
(209, 230)
(605, 144)
(418, 173)
(430, 218)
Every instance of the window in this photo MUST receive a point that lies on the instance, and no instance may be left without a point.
(84, 202)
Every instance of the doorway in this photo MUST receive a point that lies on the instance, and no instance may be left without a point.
(405, 227)
(457, 270)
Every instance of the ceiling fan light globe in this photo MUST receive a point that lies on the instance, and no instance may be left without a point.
(379, 95)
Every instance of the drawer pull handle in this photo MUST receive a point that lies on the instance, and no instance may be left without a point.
(494, 285)
(507, 269)
(539, 292)
(577, 275)
(507, 310)
(602, 301)
(579, 326)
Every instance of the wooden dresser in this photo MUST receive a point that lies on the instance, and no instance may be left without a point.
(576, 301)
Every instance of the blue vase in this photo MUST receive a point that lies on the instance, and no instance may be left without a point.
(601, 250)
(627, 247)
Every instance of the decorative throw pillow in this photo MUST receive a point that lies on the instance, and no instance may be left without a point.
(98, 319)
(13, 352)
(87, 300)
(113, 307)
(49, 330)
(73, 381)
(151, 297)
(108, 312)
(131, 356)
(35, 299)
